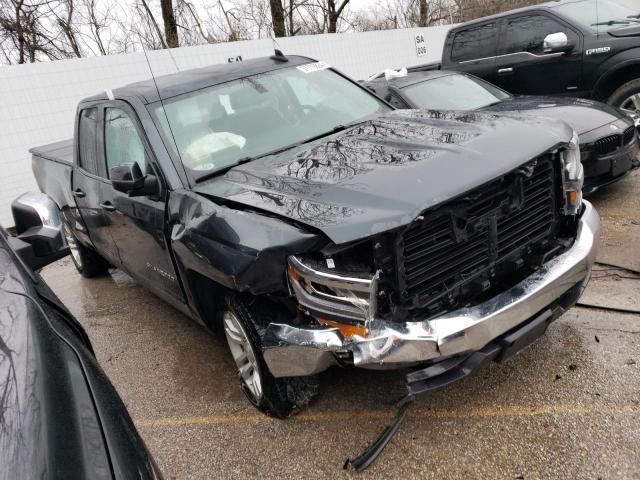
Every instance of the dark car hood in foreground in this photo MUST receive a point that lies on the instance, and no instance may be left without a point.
(382, 173)
(583, 115)
(60, 417)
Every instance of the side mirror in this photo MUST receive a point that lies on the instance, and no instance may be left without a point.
(557, 42)
(40, 233)
(128, 178)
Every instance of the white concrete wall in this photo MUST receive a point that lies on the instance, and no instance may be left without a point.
(38, 101)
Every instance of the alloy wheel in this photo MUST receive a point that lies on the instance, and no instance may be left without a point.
(243, 355)
(631, 106)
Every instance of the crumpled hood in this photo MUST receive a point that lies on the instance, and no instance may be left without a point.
(383, 173)
(581, 114)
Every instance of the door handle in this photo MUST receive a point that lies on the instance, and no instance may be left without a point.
(79, 193)
(504, 71)
(108, 206)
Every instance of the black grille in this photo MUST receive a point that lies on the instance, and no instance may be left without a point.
(628, 134)
(534, 219)
(449, 250)
(606, 145)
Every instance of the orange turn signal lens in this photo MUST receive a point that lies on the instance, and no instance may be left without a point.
(293, 273)
(346, 329)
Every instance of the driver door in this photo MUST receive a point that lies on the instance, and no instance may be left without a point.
(522, 66)
(137, 224)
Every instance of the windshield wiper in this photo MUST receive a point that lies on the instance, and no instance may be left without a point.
(626, 21)
(634, 16)
(222, 170)
(336, 129)
(215, 173)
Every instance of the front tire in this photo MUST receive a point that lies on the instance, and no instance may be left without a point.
(88, 263)
(276, 397)
(627, 97)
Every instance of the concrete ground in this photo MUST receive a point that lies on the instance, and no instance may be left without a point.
(567, 407)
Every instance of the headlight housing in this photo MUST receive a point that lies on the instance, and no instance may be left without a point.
(330, 295)
(572, 177)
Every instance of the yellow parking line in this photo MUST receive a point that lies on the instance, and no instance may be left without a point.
(422, 412)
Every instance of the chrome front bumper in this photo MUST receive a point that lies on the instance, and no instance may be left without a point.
(299, 351)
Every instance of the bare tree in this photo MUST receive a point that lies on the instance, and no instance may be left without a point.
(34, 30)
(14, 21)
(96, 24)
(152, 22)
(334, 13)
(186, 14)
(277, 18)
(256, 15)
(62, 14)
(423, 13)
(5, 54)
(25, 26)
(170, 26)
(470, 9)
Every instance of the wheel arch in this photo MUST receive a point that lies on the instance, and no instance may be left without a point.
(209, 300)
(610, 80)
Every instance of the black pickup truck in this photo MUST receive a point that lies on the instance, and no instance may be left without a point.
(283, 203)
(581, 48)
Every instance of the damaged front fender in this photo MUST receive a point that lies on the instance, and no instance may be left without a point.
(238, 249)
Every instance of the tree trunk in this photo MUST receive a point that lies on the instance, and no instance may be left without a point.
(20, 33)
(277, 18)
(331, 16)
(334, 14)
(155, 24)
(170, 25)
(333, 23)
(424, 9)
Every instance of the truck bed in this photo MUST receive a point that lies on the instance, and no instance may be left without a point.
(61, 151)
(52, 166)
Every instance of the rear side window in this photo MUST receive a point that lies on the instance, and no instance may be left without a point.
(122, 141)
(474, 43)
(526, 33)
(88, 140)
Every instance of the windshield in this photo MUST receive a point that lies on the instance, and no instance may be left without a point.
(590, 12)
(218, 127)
(454, 92)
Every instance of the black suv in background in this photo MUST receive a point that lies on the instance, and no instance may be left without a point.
(582, 48)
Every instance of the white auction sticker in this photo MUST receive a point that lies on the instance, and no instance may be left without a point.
(421, 45)
(313, 67)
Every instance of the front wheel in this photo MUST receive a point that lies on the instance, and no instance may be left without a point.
(276, 397)
(87, 262)
(627, 98)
